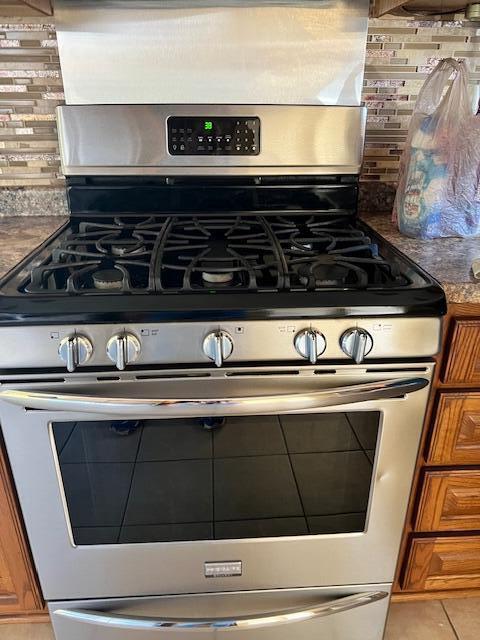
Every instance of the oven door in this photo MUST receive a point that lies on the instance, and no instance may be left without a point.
(153, 483)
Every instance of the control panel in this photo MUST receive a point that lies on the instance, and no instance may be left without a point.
(232, 342)
(215, 136)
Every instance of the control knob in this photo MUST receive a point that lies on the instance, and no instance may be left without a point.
(123, 349)
(75, 350)
(218, 346)
(310, 344)
(356, 344)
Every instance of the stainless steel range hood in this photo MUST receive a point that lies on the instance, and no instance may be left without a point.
(211, 51)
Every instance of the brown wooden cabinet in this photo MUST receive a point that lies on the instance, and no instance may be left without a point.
(463, 363)
(381, 7)
(441, 546)
(26, 8)
(443, 563)
(456, 433)
(19, 590)
(450, 501)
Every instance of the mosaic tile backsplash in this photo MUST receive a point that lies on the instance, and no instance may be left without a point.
(400, 54)
(30, 89)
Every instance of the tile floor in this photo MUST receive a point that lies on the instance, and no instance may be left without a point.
(430, 620)
(435, 620)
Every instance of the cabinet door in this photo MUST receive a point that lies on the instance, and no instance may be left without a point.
(19, 592)
(443, 563)
(456, 436)
(27, 8)
(450, 501)
(463, 364)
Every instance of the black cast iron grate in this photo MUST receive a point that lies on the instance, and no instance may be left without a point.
(199, 253)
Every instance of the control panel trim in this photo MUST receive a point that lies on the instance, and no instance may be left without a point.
(132, 140)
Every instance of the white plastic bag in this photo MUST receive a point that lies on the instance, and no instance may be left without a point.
(439, 186)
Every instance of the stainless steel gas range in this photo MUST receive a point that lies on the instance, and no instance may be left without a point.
(213, 379)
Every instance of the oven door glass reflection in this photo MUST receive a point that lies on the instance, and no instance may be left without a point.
(231, 478)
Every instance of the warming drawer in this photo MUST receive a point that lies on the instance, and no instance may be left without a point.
(356, 613)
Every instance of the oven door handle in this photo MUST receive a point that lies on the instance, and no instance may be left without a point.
(269, 619)
(208, 407)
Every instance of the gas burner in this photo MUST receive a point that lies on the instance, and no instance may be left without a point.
(121, 244)
(108, 279)
(330, 271)
(222, 278)
(125, 249)
(326, 254)
(227, 252)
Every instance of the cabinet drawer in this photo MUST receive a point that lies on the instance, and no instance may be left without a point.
(463, 364)
(450, 501)
(443, 563)
(18, 589)
(456, 436)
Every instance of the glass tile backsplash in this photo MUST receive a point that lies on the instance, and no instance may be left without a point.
(400, 54)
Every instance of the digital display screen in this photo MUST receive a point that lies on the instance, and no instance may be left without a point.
(219, 135)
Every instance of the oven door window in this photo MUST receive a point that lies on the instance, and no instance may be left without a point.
(231, 478)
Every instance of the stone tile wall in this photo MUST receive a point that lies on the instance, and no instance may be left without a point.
(30, 89)
(400, 54)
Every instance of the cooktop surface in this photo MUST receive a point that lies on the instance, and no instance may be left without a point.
(222, 262)
(208, 254)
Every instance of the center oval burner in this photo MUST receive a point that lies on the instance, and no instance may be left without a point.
(225, 277)
(108, 279)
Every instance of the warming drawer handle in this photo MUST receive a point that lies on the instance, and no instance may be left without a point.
(269, 619)
(190, 407)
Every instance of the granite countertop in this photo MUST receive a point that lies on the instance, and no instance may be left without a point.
(448, 260)
(21, 234)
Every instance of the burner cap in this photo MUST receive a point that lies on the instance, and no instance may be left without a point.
(217, 278)
(108, 279)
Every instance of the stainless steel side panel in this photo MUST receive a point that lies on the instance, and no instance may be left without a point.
(119, 571)
(350, 613)
(223, 51)
(132, 139)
